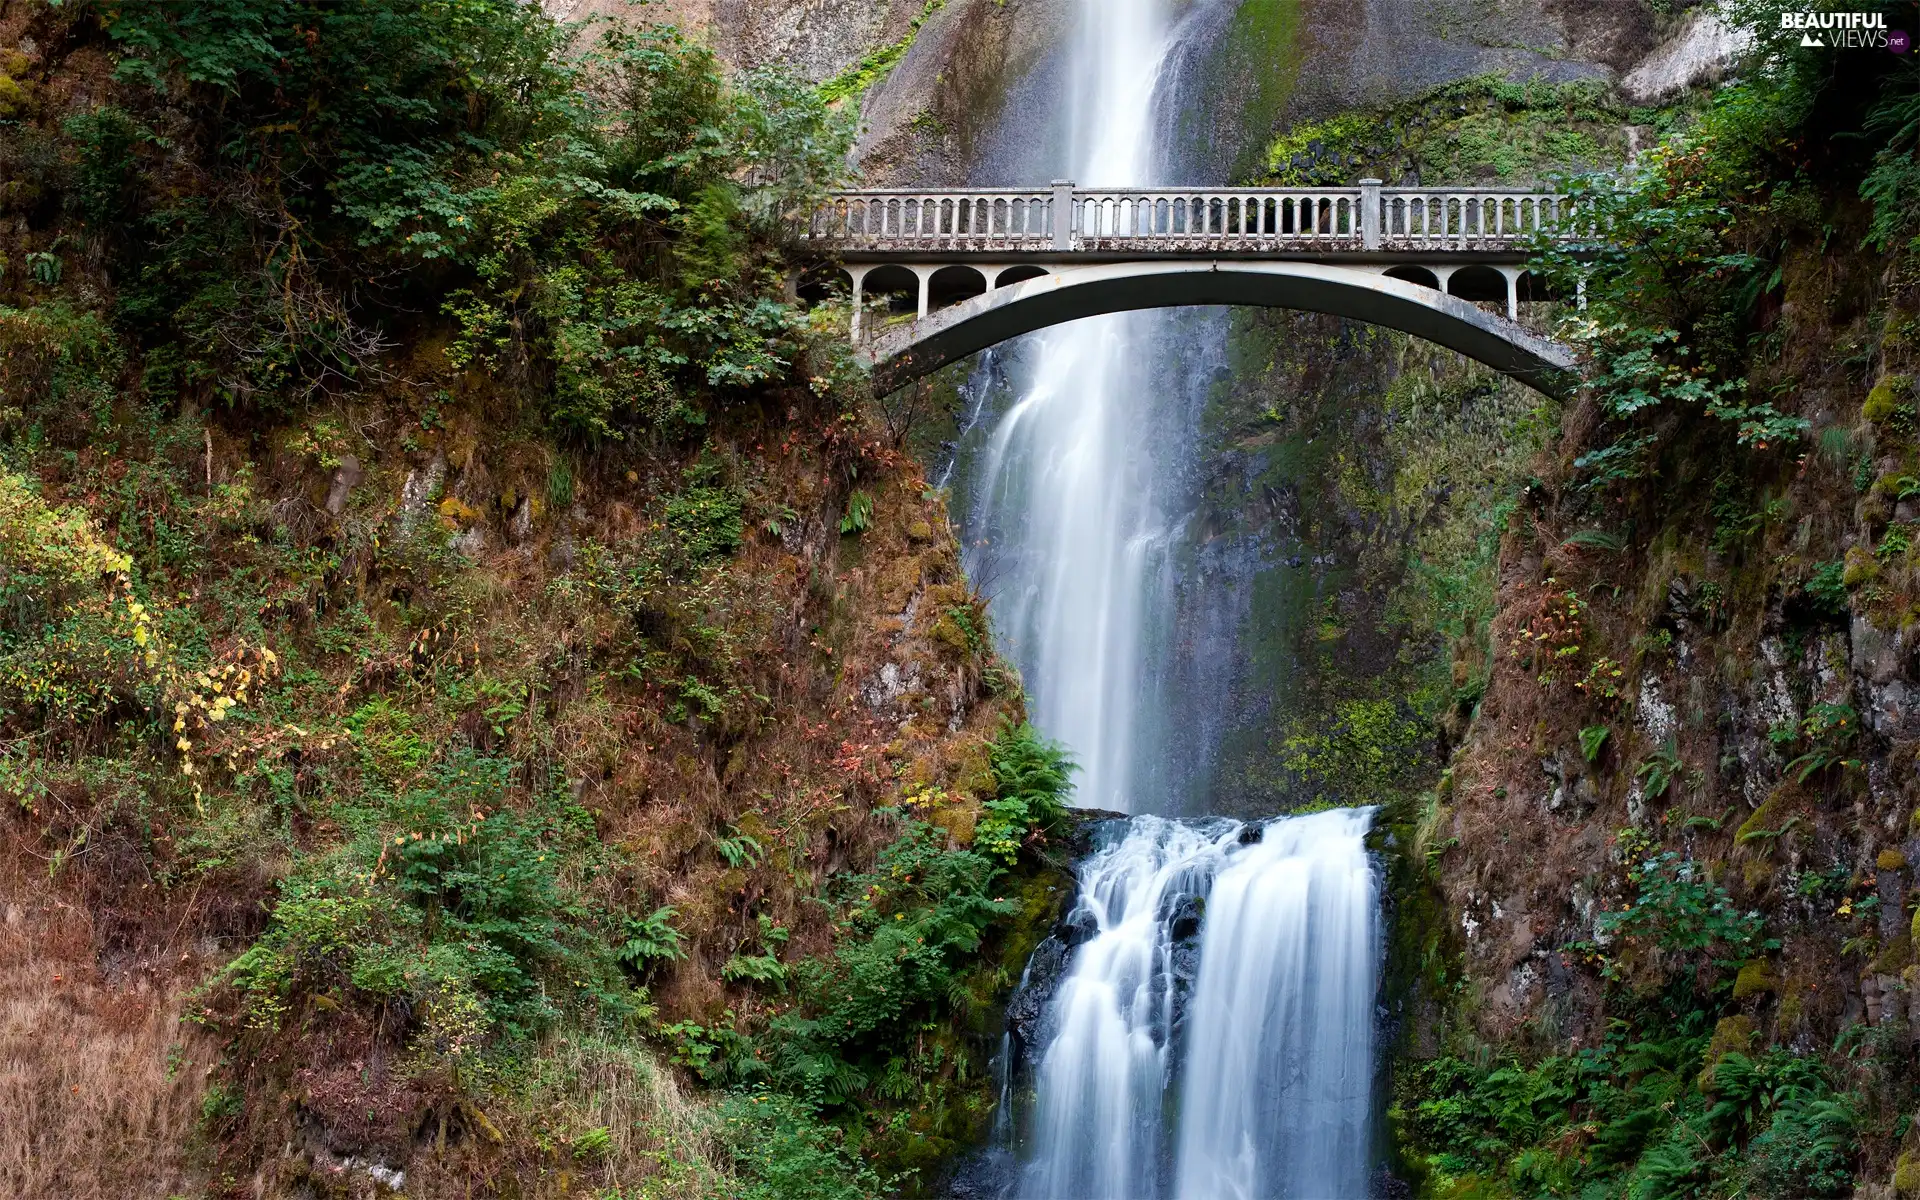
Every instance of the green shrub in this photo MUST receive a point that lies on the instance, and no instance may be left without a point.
(604, 220)
(1032, 777)
(453, 902)
(1827, 587)
(906, 932)
(1677, 908)
(783, 1151)
(705, 516)
(1631, 1117)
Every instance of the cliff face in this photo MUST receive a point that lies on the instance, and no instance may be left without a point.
(408, 790)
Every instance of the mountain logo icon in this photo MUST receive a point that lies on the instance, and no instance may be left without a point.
(1808, 39)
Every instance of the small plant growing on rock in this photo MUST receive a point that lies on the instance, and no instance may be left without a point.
(1660, 769)
(1032, 777)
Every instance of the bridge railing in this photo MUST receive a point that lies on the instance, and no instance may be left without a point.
(1368, 217)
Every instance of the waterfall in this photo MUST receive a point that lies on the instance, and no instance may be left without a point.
(1276, 1092)
(1210, 1035)
(1068, 524)
(1229, 1058)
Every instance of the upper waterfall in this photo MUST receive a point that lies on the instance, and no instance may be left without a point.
(1069, 520)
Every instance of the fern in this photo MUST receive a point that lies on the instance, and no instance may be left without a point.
(759, 968)
(1666, 1172)
(651, 939)
(1597, 539)
(740, 849)
(1660, 769)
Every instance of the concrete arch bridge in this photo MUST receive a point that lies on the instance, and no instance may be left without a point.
(965, 270)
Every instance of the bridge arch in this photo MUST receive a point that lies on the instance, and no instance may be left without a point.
(908, 352)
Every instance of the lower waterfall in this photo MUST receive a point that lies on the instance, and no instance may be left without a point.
(1211, 1037)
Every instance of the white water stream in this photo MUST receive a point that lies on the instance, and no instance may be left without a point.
(1248, 1082)
(1212, 1035)
(1067, 488)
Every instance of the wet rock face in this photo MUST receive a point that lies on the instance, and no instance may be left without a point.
(1027, 1011)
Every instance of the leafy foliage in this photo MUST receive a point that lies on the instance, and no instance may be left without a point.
(449, 902)
(1032, 777)
(906, 931)
(603, 219)
(1636, 1117)
(783, 1151)
(1678, 909)
(1827, 732)
(1660, 769)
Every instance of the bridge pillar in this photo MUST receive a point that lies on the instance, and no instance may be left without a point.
(1063, 214)
(1370, 214)
(859, 297)
(1512, 275)
(925, 275)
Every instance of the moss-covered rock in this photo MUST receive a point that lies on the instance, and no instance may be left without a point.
(1885, 401)
(1755, 979)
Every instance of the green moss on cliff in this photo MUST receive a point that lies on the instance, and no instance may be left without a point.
(1478, 130)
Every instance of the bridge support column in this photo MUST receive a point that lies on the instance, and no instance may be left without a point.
(1370, 214)
(1512, 275)
(1442, 275)
(925, 275)
(859, 297)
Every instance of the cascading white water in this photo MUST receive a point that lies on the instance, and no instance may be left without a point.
(1097, 1124)
(1228, 1058)
(1276, 1093)
(1272, 1048)
(1067, 492)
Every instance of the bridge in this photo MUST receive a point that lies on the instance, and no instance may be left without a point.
(964, 270)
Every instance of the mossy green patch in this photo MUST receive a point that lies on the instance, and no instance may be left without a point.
(1483, 129)
(1260, 64)
(877, 64)
(1887, 399)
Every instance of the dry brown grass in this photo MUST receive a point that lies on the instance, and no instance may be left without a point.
(659, 1141)
(99, 1087)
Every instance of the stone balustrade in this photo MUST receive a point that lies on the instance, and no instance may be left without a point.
(1367, 218)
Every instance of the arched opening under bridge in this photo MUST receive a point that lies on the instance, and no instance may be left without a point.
(906, 352)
